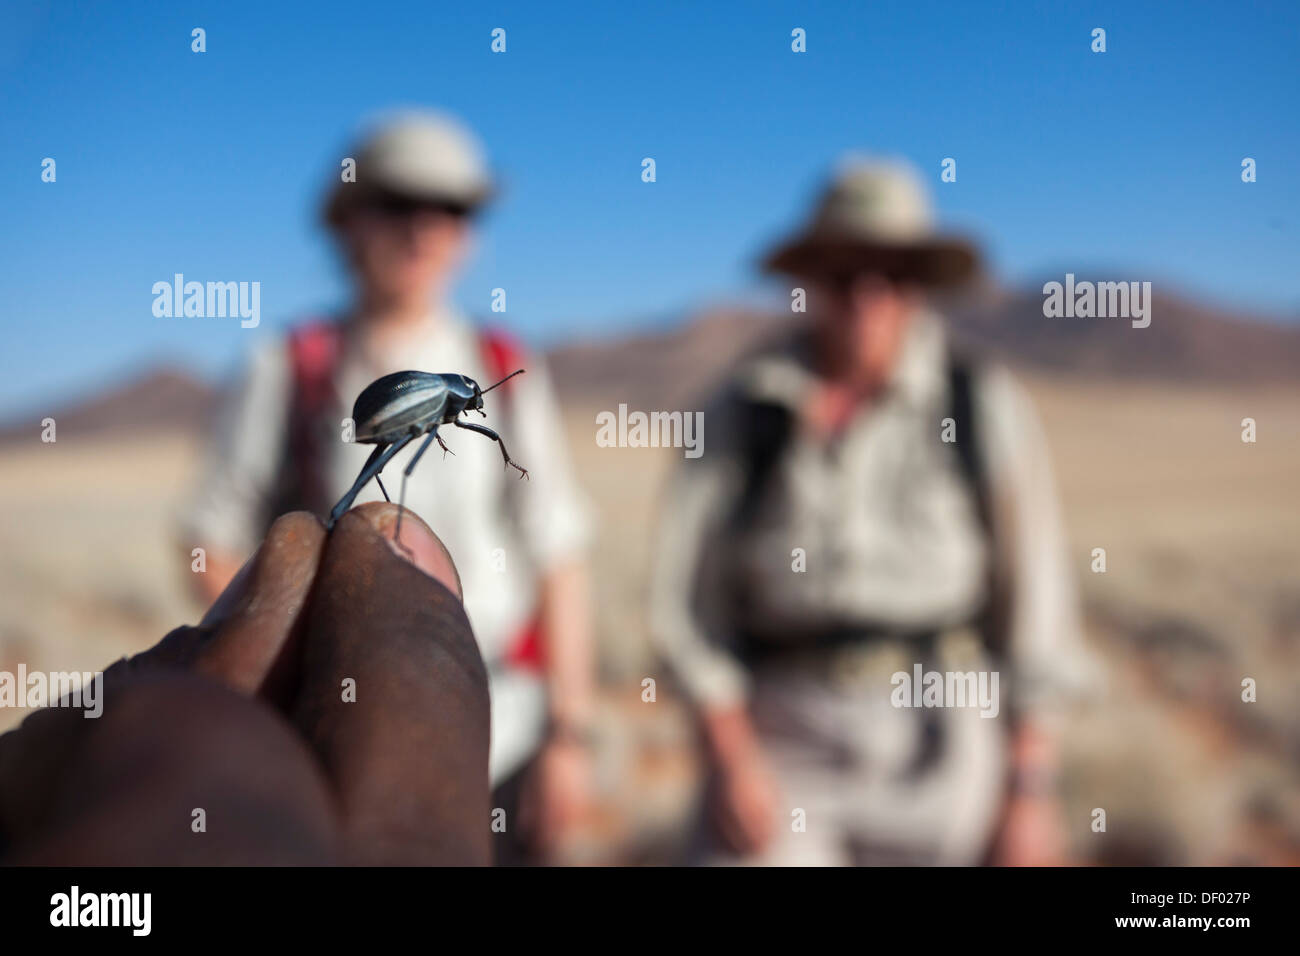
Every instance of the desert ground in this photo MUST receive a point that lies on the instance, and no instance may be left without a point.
(1202, 535)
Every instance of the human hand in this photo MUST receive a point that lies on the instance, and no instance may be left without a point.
(246, 718)
(1032, 829)
(743, 795)
(744, 805)
(557, 794)
(1031, 834)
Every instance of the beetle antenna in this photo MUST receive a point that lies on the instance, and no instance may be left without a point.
(503, 381)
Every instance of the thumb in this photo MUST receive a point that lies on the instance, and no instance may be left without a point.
(393, 694)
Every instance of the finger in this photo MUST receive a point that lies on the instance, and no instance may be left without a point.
(239, 642)
(394, 694)
(528, 813)
(253, 626)
(244, 640)
(33, 759)
(422, 547)
(730, 834)
(758, 827)
(181, 736)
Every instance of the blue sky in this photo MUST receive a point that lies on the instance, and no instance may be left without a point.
(212, 164)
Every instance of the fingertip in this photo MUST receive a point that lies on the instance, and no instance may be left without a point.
(292, 545)
(251, 625)
(297, 527)
(415, 543)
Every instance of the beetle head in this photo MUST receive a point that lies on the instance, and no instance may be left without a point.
(468, 395)
(476, 403)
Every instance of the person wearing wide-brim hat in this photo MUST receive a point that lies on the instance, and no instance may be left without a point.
(402, 205)
(871, 502)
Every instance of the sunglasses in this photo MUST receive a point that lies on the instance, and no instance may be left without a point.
(404, 207)
(843, 283)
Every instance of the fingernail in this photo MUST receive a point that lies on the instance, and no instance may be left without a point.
(416, 543)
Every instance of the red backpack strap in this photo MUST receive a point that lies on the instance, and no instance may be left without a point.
(502, 354)
(314, 351)
(314, 357)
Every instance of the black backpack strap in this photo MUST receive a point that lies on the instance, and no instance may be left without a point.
(763, 433)
(963, 374)
(765, 429)
(961, 397)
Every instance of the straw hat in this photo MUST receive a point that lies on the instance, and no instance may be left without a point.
(875, 216)
(420, 157)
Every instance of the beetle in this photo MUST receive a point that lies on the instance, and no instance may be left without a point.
(393, 411)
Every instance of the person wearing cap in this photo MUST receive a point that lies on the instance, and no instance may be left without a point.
(874, 506)
(403, 227)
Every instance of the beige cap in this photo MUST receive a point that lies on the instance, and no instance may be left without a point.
(875, 215)
(422, 156)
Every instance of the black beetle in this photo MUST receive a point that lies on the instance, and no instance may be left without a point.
(396, 409)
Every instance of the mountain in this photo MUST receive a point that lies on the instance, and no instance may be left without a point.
(1186, 342)
(663, 370)
(163, 400)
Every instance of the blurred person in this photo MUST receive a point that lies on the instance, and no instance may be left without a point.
(827, 449)
(403, 227)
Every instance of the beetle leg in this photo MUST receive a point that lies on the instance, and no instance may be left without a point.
(406, 473)
(373, 466)
(346, 501)
(445, 449)
(484, 430)
(415, 459)
(379, 481)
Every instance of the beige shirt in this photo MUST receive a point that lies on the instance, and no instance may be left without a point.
(502, 532)
(885, 521)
